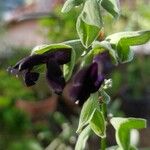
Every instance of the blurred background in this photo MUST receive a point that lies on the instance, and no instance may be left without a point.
(35, 119)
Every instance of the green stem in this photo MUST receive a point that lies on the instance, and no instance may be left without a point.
(103, 143)
(103, 140)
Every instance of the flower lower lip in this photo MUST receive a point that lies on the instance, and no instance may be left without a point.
(54, 76)
(86, 81)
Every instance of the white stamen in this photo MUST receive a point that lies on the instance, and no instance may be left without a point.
(77, 102)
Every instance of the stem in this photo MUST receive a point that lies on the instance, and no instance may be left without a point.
(103, 143)
(104, 110)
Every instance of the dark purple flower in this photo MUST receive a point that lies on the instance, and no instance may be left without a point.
(30, 78)
(90, 78)
(31, 61)
(62, 57)
(54, 76)
(53, 60)
(85, 82)
(104, 61)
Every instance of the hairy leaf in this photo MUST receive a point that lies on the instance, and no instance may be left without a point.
(69, 4)
(112, 6)
(86, 32)
(49, 48)
(123, 127)
(87, 111)
(106, 97)
(97, 123)
(89, 22)
(81, 142)
(123, 40)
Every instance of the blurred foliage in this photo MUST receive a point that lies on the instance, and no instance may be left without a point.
(62, 28)
(132, 79)
(137, 78)
(12, 89)
(133, 19)
(25, 144)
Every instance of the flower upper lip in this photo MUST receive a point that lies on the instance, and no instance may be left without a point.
(89, 79)
(54, 76)
(52, 60)
(85, 81)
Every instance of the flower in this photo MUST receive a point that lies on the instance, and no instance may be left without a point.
(54, 76)
(90, 78)
(104, 61)
(53, 60)
(30, 78)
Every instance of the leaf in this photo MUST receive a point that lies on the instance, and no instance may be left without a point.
(87, 111)
(77, 46)
(99, 46)
(112, 6)
(81, 142)
(123, 127)
(69, 4)
(91, 14)
(112, 148)
(77, 50)
(123, 40)
(119, 148)
(49, 48)
(89, 22)
(87, 33)
(97, 123)
(106, 97)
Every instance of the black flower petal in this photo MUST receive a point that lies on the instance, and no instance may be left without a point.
(63, 56)
(85, 82)
(31, 61)
(30, 78)
(104, 62)
(55, 77)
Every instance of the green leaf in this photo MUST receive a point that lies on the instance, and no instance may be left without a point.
(77, 50)
(123, 127)
(87, 111)
(123, 40)
(118, 148)
(97, 47)
(69, 4)
(89, 22)
(97, 123)
(49, 48)
(81, 142)
(87, 33)
(131, 148)
(106, 97)
(91, 13)
(112, 148)
(112, 7)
